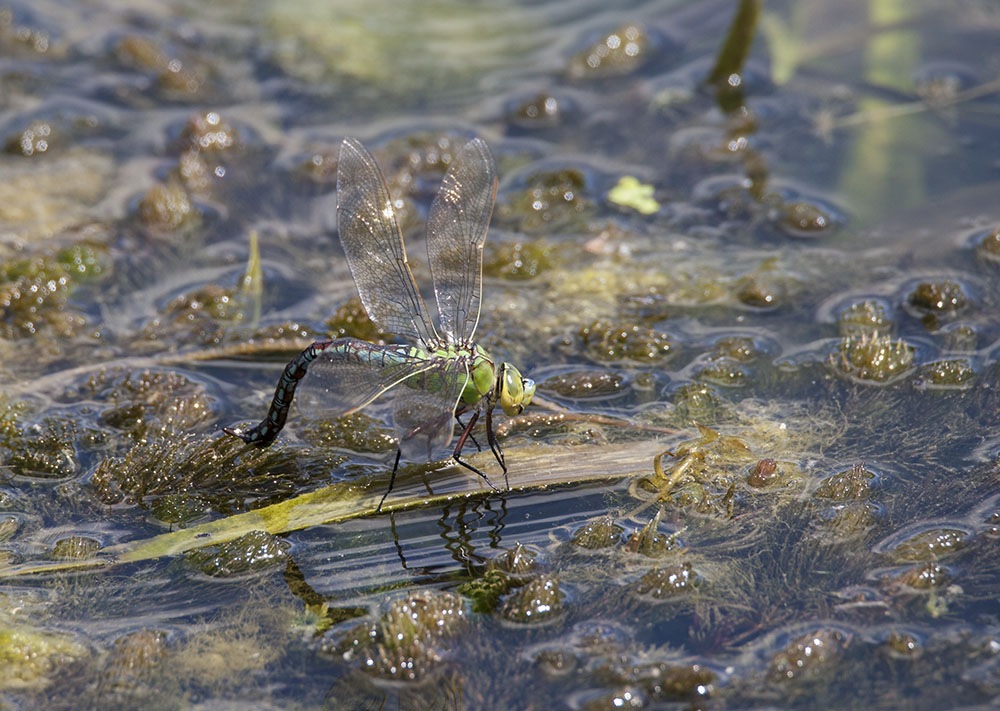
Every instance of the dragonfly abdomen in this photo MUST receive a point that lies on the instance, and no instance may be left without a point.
(265, 432)
(344, 349)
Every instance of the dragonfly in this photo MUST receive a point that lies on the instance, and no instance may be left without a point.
(443, 373)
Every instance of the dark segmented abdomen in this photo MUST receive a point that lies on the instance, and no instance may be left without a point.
(265, 432)
(362, 366)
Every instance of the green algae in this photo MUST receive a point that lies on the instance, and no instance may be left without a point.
(30, 657)
(629, 192)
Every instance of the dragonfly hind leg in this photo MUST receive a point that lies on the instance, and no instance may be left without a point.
(461, 424)
(456, 455)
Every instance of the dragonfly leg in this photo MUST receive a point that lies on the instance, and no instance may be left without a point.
(392, 480)
(495, 446)
(471, 436)
(456, 455)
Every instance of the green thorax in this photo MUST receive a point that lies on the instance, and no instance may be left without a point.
(482, 371)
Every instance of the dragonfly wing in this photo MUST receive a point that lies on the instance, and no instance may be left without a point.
(352, 373)
(366, 220)
(423, 410)
(456, 230)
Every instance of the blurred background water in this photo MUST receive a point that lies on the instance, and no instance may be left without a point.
(749, 253)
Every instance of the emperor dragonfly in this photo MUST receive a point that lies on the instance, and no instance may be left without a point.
(445, 373)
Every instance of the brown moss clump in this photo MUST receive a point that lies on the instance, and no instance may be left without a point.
(351, 320)
(725, 373)
(252, 552)
(227, 475)
(134, 658)
(537, 602)
(938, 296)
(873, 358)
(618, 53)
(904, 645)
(930, 545)
(663, 583)
(75, 548)
(149, 402)
(650, 542)
(410, 641)
(173, 74)
(760, 292)
(801, 218)
(356, 432)
(763, 473)
(852, 484)
(868, 316)
(808, 656)
(540, 111)
(35, 140)
(48, 449)
(504, 573)
(34, 290)
(988, 245)
(29, 657)
(950, 374)
(518, 261)
(209, 132)
(580, 384)
(551, 202)
(742, 349)
(597, 534)
(925, 577)
(167, 207)
(615, 341)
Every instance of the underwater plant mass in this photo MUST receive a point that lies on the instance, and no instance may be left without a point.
(748, 255)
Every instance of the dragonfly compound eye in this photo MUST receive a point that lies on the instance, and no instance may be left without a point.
(514, 391)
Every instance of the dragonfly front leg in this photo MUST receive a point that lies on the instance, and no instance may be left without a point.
(495, 446)
(456, 455)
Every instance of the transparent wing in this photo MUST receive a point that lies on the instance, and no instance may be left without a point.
(423, 410)
(352, 373)
(373, 244)
(456, 229)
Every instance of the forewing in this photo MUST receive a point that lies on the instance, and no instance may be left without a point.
(351, 373)
(456, 230)
(373, 244)
(423, 409)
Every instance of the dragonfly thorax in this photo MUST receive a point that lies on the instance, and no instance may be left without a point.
(503, 385)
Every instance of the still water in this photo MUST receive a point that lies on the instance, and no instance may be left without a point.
(749, 254)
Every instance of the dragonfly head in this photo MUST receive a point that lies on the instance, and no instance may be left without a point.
(515, 391)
